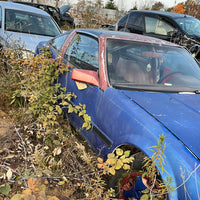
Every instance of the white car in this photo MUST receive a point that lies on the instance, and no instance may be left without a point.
(23, 27)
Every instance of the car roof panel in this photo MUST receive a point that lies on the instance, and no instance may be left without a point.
(163, 13)
(123, 35)
(16, 6)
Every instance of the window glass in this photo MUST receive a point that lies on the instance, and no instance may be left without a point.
(140, 65)
(139, 22)
(27, 22)
(53, 10)
(157, 26)
(58, 42)
(0, 17)
(190, 25)
(83, 52)
(123, 19)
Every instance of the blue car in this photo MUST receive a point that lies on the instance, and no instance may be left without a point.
(23, 27)
(136, 88)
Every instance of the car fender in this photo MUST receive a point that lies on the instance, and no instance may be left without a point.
(141, 130)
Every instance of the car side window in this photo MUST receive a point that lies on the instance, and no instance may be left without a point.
(57, 43)
(139, 22)
(83, 52)
(157, 26)
(0, 17)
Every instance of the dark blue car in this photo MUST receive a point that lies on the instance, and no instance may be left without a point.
(135, 89)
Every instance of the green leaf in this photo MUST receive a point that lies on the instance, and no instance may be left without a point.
(50, 108)
(58, 108)
(119, 152)
(5, 189)
(56, 142)
(70, 108)
(16, 197)
(144, 197)
(126, 167)
(127, 153)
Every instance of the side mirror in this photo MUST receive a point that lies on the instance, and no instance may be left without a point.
(85, 76)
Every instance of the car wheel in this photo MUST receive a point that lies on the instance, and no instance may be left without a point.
(124, 30)
(131, 184)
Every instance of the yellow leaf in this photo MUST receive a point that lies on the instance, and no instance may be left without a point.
(81, 86)
(44, 124)
(16, 197)
(70, 109)
(99, 165)
(100, 160)
(50, 108)
(9, 174)
(111, 155)
(112, 170)
(127, 153)
(111, 161)
(42, 195)
(53, 198)
(119, 164)
(126, 167)
(61, 182)
(31, 183)
(25, 62)
(27, 191)
(119, 152)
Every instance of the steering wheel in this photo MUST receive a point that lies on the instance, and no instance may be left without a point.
(168, 74)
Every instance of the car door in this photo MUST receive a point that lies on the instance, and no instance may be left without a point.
(83, 53)
(158, 27)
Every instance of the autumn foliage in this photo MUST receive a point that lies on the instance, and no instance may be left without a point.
(178, 9)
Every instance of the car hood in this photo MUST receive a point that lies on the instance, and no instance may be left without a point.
(64, 9)
(24, 40)
(179, 113)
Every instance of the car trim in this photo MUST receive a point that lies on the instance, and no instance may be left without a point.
(96, 130)
(101, 136)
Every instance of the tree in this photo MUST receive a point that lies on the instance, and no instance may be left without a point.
(134, 8)
(192, 8)
(157, 6)
(178, 9)
(111, 5)
(57, 4)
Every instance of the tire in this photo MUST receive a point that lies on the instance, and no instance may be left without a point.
(130, 184)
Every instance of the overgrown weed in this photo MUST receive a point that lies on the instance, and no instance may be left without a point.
(42, 145)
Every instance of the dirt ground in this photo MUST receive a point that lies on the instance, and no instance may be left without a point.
(5, 124)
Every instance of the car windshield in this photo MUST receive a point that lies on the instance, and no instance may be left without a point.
(149, 66)
(27, 22)
(190, 25)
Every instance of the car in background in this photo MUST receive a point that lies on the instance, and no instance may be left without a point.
(135, 89)
(61, 14)
(24, 27)
(174, 27)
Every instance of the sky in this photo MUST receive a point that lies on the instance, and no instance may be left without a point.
(128, 4)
